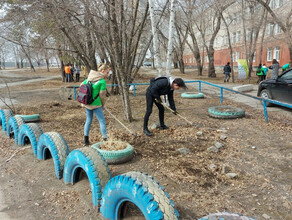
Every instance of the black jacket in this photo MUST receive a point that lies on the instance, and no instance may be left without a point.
(161, 86)
(227, 69)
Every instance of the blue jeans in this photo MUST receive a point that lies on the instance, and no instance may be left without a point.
(100, 117)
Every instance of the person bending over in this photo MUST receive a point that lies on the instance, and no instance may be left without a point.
(160, 86)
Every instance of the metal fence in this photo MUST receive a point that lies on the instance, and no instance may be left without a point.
(264, 101)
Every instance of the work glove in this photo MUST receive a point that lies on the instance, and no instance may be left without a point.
(175, 112)
(158, 100)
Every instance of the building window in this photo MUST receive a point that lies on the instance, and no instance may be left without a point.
(280, 3)
(277, 29)
(237, 56)
(233, 57)
(272, 4)
(238, 36)
(269, 54)
(226, 39)
(254, 57)
(277, 53)
(234, 37)
(270, 29)
(206, 59)
(234, 21)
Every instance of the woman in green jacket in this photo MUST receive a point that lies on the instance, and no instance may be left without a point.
(97, 78)
(260, 73)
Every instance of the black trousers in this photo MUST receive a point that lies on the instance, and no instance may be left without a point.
(77, 77)
(149, 105)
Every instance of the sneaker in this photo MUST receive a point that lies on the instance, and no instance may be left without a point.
(163, 127)
(104, 139)
(147, 132)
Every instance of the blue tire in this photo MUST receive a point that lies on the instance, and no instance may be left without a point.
(54, 143)
(141, 190)
(95, 166)
(13, 127)
(30, 118)
(31, 132)
(226, 112)
(192, 95)
(5, 114)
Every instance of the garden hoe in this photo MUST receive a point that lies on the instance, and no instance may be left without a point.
(191, 123)
(132, 133)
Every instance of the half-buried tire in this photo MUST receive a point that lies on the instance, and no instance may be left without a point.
(95, 167)
(115, 156)
(192, 95)
(226, 112)
(53, 143)
(13, 126)
(141, 190)
(29, 132)
(30, 118)
(5, 114)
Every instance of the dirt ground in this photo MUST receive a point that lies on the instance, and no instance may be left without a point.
(258, 152)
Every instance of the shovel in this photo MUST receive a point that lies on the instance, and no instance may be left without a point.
(191, 123)
(132, 133)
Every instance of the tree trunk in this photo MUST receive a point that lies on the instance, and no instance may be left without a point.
(154, 25)
(28, 57)
(62, 70)
(181, 64)
(48, 65)
(263, 35)
(170, 38)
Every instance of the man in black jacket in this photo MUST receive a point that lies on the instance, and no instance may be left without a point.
(160, 86)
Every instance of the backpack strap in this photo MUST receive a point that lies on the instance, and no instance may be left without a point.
(97, 93)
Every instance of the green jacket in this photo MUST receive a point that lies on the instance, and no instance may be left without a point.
(96, 88)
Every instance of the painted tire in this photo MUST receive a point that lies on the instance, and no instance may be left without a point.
(13, 126)
(30, 118)
(226, 216)
(31, 131)
(226, 111)
(140, 189)
(192, 95)
(95, 166)
(115, 156)
(57, 146)
(5, 114)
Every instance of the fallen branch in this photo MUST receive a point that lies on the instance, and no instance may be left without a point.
(15, 152)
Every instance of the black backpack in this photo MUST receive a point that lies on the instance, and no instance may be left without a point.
(85, 94)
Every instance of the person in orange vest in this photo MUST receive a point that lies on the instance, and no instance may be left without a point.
(67, 72)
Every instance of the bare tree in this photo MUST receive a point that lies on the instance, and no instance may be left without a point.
(284, 20)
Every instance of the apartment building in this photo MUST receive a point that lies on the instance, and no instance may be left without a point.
(274, 45)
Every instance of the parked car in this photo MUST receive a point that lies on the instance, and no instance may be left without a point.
(147, 64)
(279, 89)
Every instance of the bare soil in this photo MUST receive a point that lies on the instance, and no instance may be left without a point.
(258, 152)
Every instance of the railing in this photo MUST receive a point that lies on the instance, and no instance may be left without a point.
(264, 101)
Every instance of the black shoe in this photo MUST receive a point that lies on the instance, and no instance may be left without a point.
(147, 132)
(86, 141)
(163, 127)
(104, 139)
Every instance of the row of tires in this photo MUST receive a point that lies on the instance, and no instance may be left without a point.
(109, 194)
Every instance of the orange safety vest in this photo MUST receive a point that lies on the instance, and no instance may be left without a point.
(67, 70)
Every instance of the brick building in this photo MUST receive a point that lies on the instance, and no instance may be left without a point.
(274, 44)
